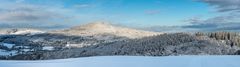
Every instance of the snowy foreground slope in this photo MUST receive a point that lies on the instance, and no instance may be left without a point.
(132, 61)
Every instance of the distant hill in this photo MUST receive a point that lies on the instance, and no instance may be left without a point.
(20, 31)
(100, 28)
(31, 26)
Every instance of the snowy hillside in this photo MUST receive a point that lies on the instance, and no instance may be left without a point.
(31, 32)
(132, 61)
(21, 31)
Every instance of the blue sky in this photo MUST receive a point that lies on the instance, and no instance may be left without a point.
(135, 13)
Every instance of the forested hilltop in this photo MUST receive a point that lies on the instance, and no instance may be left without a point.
(215, 43)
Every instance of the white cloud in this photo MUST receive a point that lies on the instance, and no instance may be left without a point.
(224, 5)
(23, 14)
(16, 13)
(82, 6)
(152, 12)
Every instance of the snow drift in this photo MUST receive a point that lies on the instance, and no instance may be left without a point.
(132, 61)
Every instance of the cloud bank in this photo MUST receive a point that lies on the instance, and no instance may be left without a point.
(224, 5)
(21, 14)
(228, 21)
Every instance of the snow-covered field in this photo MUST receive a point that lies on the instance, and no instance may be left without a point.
(132, 61)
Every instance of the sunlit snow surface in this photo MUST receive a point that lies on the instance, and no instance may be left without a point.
(132, 61)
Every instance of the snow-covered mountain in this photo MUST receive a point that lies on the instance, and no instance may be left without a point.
(101, 28)
(21, 31)
(28, 31)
